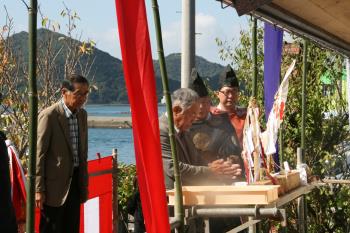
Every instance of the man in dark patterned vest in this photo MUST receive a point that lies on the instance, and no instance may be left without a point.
(213, 139)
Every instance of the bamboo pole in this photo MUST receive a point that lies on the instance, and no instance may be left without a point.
(253, 228)
(254, 95)
(303, 100)
(347, 61)
(302, 216)
(255, 58)
(179, 210)
(33, 114)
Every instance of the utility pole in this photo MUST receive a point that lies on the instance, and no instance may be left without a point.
(188, 43)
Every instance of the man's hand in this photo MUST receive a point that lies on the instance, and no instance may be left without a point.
(39, 200)
(216, 166)
(226, 168)
(232, 170)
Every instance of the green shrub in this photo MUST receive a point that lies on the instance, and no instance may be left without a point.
(328, 206)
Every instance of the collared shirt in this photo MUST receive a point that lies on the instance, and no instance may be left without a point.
(73, 132)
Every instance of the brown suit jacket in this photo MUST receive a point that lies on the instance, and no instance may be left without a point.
(54, 165)
(191, 172)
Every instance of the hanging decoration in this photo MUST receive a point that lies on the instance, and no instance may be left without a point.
(258, 147)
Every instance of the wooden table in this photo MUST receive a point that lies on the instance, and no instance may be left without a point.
(248, 209)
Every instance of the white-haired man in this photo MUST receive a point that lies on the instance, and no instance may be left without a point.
(184, 110)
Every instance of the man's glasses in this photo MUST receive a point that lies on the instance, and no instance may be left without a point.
(79, 94)
(228, 93)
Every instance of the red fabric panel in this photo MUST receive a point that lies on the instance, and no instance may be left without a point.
(99, 185)
(37, 219)
(81, 229)
(106, 213)
(19, 194)
(140, 82)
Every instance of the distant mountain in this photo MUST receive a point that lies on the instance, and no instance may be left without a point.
(208, 70)
(108, 70)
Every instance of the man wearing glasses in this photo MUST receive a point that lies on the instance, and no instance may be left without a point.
(61, 168)
(228, 96)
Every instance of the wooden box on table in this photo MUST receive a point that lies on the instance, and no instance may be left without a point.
(226, 195)
(287, 182)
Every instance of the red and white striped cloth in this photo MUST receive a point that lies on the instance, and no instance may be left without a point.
(96, 213)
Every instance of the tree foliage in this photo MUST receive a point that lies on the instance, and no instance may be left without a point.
(126, 176)
(327, 131)
(14, 73)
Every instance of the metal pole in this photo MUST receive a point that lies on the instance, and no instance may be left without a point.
(33, 115)
(188, 43)
(255, 58)
(302, 216)
(115, 190)
(252, 228)
(179, 210)
(241, 211)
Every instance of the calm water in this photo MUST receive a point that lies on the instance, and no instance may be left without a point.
(104, 140)
(114, 110)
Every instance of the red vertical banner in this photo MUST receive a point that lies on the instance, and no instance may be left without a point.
(140, 83)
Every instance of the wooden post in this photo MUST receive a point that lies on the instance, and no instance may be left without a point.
(115, 190)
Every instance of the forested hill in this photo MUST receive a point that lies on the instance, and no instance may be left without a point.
(108, 71)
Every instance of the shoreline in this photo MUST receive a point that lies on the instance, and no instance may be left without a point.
(109, 122)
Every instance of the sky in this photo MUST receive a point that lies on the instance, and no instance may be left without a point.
(98, 22)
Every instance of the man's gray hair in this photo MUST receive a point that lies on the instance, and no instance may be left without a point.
(184, 97)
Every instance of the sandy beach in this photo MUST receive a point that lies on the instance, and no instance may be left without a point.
(109, 122)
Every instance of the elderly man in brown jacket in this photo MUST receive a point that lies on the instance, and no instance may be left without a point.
(61, 168)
